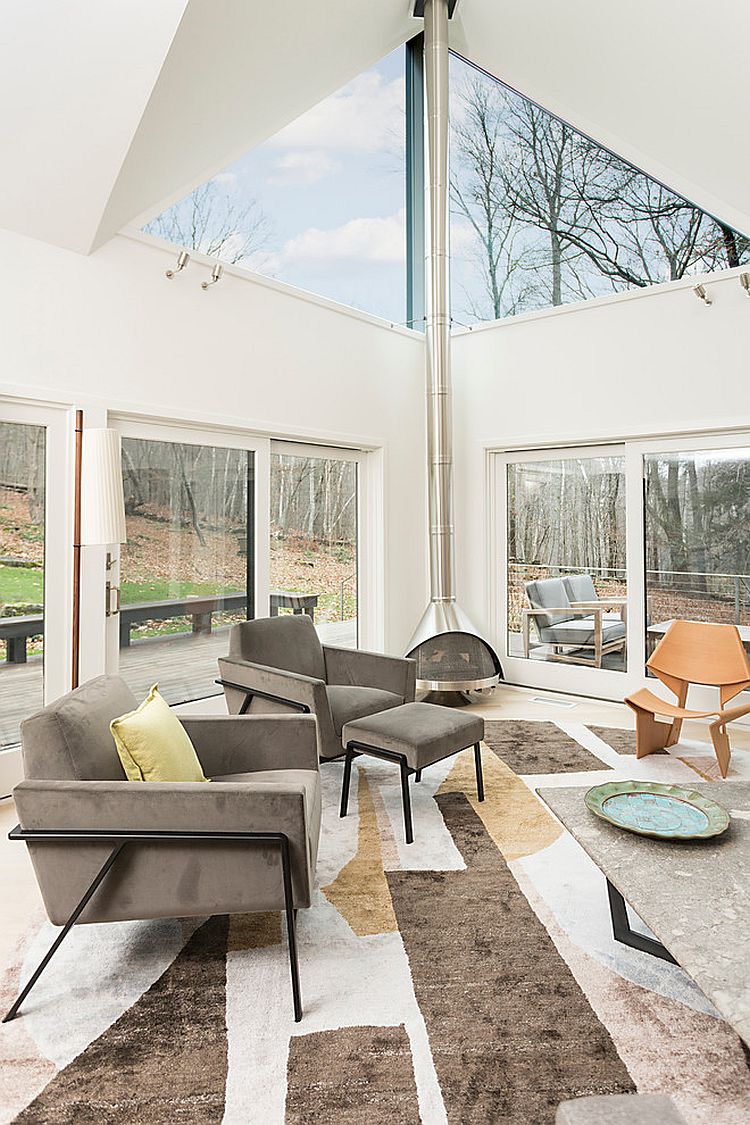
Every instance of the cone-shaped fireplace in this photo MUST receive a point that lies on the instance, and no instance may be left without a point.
(451, 654)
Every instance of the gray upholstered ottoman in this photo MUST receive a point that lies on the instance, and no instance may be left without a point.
(414, 735)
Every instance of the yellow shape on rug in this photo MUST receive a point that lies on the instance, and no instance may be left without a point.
(516, 820)
(253, 931)
(360, 890)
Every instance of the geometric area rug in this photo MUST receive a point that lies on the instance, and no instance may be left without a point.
(468, 977)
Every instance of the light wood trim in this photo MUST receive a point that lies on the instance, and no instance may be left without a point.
(76, 640)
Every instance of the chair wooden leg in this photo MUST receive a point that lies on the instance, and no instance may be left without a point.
(650, 734)
(676, 730)
(722, 749)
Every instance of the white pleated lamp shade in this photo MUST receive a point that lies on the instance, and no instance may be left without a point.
(102, 497)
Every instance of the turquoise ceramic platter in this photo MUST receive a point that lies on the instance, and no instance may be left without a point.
(664, 812)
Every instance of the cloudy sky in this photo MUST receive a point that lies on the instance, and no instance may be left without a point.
(332, 187)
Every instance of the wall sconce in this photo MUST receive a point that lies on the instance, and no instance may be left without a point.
(216, 273)
(745, 282)
(702, 295)
(182, 260)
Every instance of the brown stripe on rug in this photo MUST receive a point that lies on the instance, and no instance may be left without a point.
(511, 1033)
(541, 747)
(356, 1075)
(164, 1060)
(621, 741)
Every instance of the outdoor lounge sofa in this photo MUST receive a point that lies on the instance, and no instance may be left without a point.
(575, 629)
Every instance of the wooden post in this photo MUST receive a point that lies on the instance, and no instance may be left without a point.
(76, 646)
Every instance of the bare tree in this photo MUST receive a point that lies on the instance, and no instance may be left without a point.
(557, 217)
(478, 149)
(213, 220)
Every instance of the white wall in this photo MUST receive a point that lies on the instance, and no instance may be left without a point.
(111, 329)
(639, 364)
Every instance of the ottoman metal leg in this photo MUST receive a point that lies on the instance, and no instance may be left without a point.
(406, 796)
(350, 756)
(478, 768)
(418, 775)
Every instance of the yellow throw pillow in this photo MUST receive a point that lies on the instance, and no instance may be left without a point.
(153, 744)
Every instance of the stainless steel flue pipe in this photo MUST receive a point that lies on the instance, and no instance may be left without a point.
(439, 392)
(443, 615)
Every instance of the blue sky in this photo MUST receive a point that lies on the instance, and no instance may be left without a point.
(331, 185)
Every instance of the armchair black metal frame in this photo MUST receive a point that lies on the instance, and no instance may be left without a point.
(250, 692)
(358, 749)
(121, 839)
(294, 703)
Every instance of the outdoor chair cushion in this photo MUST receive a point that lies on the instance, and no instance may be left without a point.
(548, 592)
(580, 588)
(580, 631)
(423, 732)
(348, 702)
(70, 739)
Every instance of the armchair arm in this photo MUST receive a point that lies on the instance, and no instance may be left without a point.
(159, 878)
(244, 744)
(289, 689)
(371, 669)
(569, 609)
(261, 806)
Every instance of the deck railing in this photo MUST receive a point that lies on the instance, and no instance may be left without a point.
(723, 597)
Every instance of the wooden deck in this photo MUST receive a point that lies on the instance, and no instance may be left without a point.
(184, 666)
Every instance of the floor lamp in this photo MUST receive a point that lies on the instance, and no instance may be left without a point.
(99, 511)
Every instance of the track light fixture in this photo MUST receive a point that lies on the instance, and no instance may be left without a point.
(702, 295)
(745, 282)
(182, 260)
(216, 273)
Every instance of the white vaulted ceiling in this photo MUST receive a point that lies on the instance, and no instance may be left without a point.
(660, 82)
(112, 110)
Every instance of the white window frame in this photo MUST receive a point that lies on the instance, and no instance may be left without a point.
(369, 532)
(577, 679)
(59, 424)
(180, 433)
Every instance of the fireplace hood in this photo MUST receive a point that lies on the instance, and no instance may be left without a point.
(451, 653)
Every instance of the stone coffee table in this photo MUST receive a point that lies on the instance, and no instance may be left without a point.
(695, 896)
(414, 735)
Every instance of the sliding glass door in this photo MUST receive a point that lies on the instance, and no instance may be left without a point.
(35, 529)
(697, 536)
(22, 562)
(187, 571)
(599, 549)
(314, 538)
(562, 525)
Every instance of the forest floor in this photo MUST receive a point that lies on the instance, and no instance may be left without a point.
(160, 562)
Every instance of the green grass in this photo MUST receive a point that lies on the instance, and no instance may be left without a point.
(21, 584)
(159, 590)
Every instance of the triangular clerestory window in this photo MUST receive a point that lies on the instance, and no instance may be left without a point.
(543, 216)
(320, 205)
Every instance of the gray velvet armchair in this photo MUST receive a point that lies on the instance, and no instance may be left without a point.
(106, 849)
(279, 664)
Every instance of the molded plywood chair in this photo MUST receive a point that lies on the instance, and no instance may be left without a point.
(692, 652)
